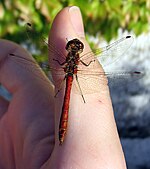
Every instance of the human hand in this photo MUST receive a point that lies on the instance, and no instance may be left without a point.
(27, 123)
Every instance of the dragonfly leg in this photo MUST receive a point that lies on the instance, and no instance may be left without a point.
(60, 87)
(59, 62)
(80, 88)
(88, 63)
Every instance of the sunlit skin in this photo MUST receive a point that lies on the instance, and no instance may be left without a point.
(29, 123)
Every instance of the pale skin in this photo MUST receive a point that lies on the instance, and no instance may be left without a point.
(29, 122)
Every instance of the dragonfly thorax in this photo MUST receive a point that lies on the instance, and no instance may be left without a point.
(74, 46)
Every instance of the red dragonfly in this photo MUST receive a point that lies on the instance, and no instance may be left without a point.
(70, 68)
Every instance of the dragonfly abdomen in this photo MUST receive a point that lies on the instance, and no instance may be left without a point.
(65, 110)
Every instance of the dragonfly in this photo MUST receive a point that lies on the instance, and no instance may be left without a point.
(78, 65)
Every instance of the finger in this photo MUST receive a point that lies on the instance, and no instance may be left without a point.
(32, 99)
(91, 126)
(3, 106)
(18, 68)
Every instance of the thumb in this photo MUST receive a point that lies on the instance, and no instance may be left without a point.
(91, 126)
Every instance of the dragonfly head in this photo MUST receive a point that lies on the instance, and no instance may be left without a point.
(75, 45)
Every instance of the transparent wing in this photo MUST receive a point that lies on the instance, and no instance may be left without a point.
(93, 81)
(108, 54)
(32, 34)
(89, 79)
(32, 66)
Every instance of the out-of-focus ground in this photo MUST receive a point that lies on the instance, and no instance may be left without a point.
(131, 104)
(131, 100)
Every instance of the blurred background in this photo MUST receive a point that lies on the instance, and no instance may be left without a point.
(111, 20)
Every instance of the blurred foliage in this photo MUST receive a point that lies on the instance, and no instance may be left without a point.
(107, 16)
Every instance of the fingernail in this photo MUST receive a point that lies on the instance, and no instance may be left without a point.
(76, 20)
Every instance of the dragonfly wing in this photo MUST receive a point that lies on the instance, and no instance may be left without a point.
(32, 66)
(94, 81)
(110, 53)
(32, 34)
(119, 79)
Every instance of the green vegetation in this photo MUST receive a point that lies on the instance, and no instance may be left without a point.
(106, 16)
